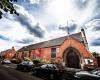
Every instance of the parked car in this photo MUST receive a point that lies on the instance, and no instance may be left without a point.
(47, 70)
(85, 75)
(5, 61)
(25, 66)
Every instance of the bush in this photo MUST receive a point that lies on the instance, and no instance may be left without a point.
(48, 62)
(27, 59)
(58, 62)
(15, 61)
(36, 61)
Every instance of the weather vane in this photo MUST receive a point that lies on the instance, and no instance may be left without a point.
(68, 28)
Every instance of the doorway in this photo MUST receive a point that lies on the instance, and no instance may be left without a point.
(72, 58)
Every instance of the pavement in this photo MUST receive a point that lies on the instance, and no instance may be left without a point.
(13, 66)
(7, 73)
(72, 69)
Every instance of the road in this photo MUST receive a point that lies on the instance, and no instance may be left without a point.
(12, 74)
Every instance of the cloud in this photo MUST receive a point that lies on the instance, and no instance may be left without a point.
(4, 45)
(34, 1)
(51, 27)
(71, 27)
(96, 42)
(81, 4)
(65, 10)
(54, 34)
(96, 10)
(94, 25)
(32, 5)
(15, 30)
(96, 28)
(3, 37)
(29, 22)
(25, 41)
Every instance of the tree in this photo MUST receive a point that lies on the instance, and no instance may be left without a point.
(7, 6)
(95, 54)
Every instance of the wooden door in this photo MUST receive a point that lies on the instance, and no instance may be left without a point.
(73, 60)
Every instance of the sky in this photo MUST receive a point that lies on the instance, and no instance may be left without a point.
(41, 20)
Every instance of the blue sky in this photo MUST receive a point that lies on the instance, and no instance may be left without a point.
(41, 20)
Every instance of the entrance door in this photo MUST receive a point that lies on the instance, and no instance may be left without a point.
(73, 60)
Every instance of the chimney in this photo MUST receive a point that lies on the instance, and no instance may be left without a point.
(84, 38)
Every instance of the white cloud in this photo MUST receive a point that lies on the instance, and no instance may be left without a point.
(64, 10)
(94, 49)
(4, 45)
(55, 34)
(14, 30)
(34, 1)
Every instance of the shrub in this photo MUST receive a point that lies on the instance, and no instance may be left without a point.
(36, 61)
(27, 59)
(48, 62)
(15, 61)
(58, 62)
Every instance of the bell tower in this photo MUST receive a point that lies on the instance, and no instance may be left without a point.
(84, 38)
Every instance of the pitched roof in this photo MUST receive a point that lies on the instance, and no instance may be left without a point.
(53, 42)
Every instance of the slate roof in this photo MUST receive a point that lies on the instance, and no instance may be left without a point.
(53, 42)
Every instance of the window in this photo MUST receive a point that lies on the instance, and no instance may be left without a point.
(53, 52)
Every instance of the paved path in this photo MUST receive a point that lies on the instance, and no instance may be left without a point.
(10, 65)
(72, 69)
(11, 74)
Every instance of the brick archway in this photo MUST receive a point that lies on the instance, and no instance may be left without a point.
(72, 58)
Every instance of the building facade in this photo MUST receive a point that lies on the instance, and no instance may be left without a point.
(8, 54)
(71, 50)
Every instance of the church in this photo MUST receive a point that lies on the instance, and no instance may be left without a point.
(71, 50)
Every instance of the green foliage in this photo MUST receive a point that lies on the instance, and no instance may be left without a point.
(58, 62)
(48, 62)
(16, 61)
(7, 6)
(37, 60)
(27, 59)
(95, 54)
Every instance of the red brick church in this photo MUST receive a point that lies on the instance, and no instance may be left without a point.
(71, 50)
